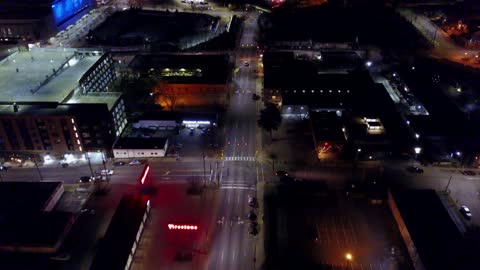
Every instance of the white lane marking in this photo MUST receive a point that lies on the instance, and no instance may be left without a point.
(239, 158)
(238, 199)
(229, 197)
(222, 256)
(233, 187)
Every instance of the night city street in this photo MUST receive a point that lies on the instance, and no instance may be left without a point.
(235, 135)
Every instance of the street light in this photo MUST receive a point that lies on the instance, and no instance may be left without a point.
(417, 135)
(368, 63)
(349, 256)
(417, 150)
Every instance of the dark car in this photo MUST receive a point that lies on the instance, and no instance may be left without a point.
(414, 169)
(255, 96)
(3, 168)
(64, 165)
(252, 216)
(253, 229)
(253, 202)
(468, 173)
(85, 179)
(119, 163)
(311, 234)
(465, 212)
(281, 173)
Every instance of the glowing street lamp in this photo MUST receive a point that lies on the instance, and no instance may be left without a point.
(349, 256)
(417, 150)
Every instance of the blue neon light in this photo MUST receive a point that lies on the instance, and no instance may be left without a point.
(63, 9)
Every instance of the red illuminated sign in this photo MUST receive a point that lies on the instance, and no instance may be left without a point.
(145, 172)
(182, 227)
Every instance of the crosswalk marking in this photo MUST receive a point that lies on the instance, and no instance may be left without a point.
(236, 187)
(239, 158)
(233, 185)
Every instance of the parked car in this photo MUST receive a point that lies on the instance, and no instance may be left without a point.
(252, 216)
(414, 169)
(466, 212)
(3, 168)
(281, 173)
(87, 211)
(468, 173)
(106, 172)
(85, 179)
(252, 201)
(61, 257)
(119, 163)
(64, 165)
(135, 162)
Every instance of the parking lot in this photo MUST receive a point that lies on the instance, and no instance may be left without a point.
(331, 231)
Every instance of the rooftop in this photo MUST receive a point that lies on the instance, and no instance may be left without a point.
(140, 143)
(53, 108)
(25, 203)
(436, 238)
(95, 98)
(13, 196)
(35, 80)
(185, 68)
(327, 126)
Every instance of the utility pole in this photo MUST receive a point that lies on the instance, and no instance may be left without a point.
(448, 183)
(105, 168)
(89, 164)
(204, 168)
(38, 169)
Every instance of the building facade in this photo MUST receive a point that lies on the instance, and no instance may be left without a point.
(99, 77)
(26, 20)
(56, 130)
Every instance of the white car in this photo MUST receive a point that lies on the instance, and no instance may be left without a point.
(107, 172)
(135, 162)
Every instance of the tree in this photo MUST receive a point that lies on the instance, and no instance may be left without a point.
(270, 118)
(165, 97)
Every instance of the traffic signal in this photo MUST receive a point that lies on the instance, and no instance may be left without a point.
(182, 227)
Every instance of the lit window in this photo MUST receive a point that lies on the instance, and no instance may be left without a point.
(73, 121)
(78, 141)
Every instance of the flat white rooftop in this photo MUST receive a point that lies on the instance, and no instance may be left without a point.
(33, 69)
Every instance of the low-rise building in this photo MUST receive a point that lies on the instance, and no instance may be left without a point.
(186, 81)
(56, 101)
(128, 147)
(29, 217)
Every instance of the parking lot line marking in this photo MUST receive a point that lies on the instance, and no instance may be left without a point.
(327, 231)
(318, 231)
(335, 232)
(353, 232)
(371, 267)
(347, 240)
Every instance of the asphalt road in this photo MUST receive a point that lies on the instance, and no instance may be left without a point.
(232, 246)
(161, 171)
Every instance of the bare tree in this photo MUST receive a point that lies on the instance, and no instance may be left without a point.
(167, 96)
